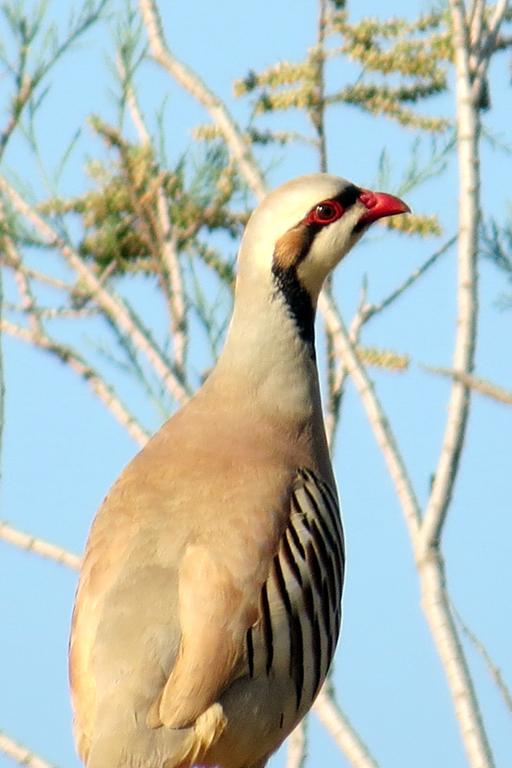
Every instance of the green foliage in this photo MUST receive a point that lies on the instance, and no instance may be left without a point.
(423, 225)
(407, 59)
(402, 63)
(383, 358)
(122, 229)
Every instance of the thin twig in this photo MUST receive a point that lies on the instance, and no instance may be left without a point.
(364, 313)
(339, 370)
(339, 727)
(38, 336)
(39, 546)
(238, 146)
(485, 48)
(437, 609)
(97, 384)
(21, 754)
(482, 386)
(317, 112)
(25, 88)
(153, 390)
(27, 85)
(333, 364)
(494, 671)
(133, 104)
(176, 288)
(168, 251)
(373, 309)
(41, 277)
(28, 301)
(51, 313)
(475, 20)
(469, 218)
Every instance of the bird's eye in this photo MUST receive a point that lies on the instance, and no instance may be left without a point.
(326, 212)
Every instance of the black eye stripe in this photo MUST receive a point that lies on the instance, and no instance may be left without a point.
(348, 196)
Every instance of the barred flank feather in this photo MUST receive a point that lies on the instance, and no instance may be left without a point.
(305, 586)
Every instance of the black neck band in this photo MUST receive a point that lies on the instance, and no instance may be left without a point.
(298, 302)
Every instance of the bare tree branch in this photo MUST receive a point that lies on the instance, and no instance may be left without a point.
(173, 283)
(175, 291)
(485, 46)
(317, 113)
(39, 547)
(364, 313)
(475, 19)
(339, 369)
(482, 386)
(372, 309)
(436, 606)
(37, 335)
(100, 388)
(133, 104)
(494, 671)
(25, 89)
(431, 569)
(297, 746)
(42, 277)
(20, 754)
(381, 428)
(469, 218)
(338, 726)
(430, 564)
(238, 146)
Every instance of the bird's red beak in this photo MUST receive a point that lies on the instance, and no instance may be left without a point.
(380, 204)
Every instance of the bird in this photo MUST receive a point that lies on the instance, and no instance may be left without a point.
(209, 600)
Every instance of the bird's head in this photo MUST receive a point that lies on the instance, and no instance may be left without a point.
(294, 238)
(302, 230)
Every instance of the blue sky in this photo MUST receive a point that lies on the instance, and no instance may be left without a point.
(62, 450)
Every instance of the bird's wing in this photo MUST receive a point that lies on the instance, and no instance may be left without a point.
(213, 614)
(218, 604)
(220, 574)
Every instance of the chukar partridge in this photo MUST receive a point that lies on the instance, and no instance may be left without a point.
(209, 602)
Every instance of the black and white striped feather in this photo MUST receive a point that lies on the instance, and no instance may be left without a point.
(300, 604)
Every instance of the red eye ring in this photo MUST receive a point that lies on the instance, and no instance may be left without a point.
(325, 212)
